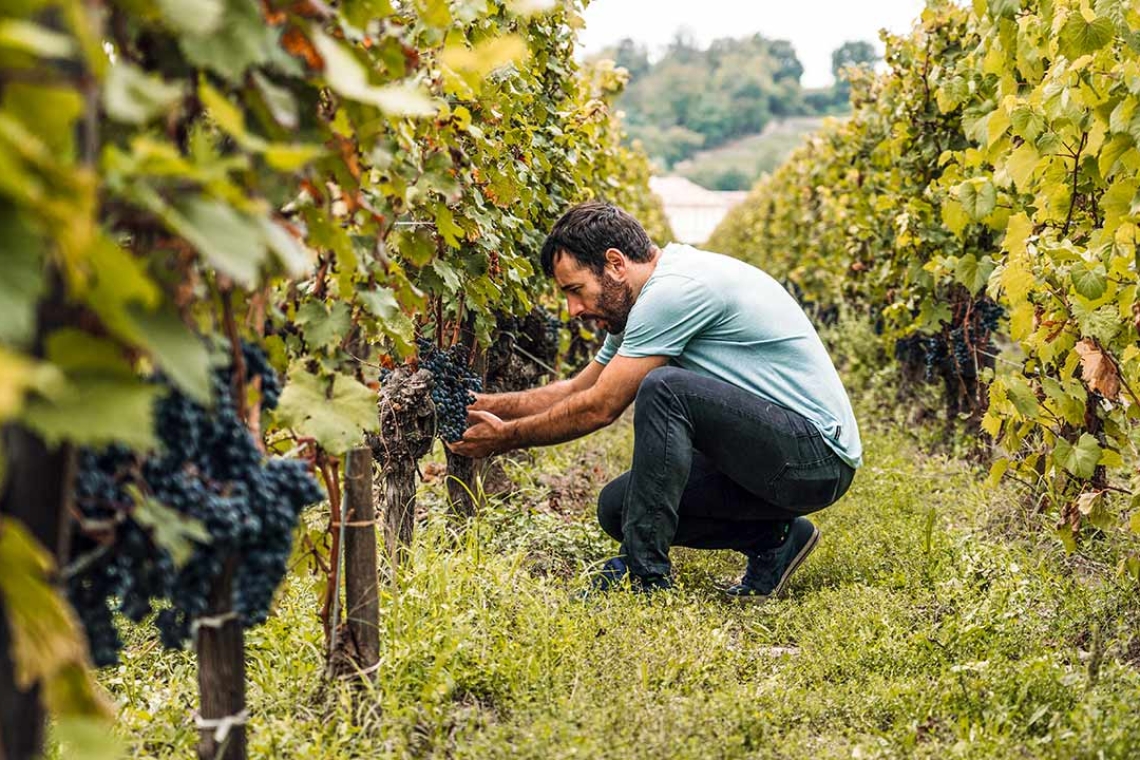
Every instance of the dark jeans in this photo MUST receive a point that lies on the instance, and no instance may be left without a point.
(714, 467)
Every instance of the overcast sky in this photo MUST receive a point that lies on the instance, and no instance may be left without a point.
(814, 27)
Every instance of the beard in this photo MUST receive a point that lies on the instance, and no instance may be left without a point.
(614, 304)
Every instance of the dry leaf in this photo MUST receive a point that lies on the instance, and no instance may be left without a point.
(1097, 370)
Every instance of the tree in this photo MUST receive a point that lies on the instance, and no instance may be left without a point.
(632, 57)
(857, 53)
(788, 66)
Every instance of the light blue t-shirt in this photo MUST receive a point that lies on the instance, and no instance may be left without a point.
(720, 317)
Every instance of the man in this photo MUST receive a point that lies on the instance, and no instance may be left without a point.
(741, 424)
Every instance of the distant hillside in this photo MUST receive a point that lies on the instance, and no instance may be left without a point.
(738, 164)
(693, 99)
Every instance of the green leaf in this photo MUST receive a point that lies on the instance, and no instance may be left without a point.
(78, 353)
(1090, 280)
(1102, 323)
(977, 197)
(21, 260)
(336, 420)
(445, 224)
(242, 40)
(1080, 460)
(972, 273)
(169, 529)
(279, 101)
(132, 96)
(1004, 8)
(97, 412)
(347, 76)
(231, 241)
(1023, 398)
(1080, 36)
(380, 302)
(178, 351)
(325, 327)
(1027, 123)
(199, 18)
(293, 256)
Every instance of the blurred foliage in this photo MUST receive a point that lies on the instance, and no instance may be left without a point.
(995, 160)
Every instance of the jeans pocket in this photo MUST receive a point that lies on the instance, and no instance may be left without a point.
(806, 487)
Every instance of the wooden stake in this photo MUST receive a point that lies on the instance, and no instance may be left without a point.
(221, 676)
(362, 601)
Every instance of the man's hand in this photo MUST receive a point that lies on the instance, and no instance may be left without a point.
(486, 435)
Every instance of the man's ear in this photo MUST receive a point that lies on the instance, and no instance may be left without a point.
(616, 260)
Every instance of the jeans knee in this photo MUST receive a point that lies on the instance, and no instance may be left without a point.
(655, 383)
(610, 503)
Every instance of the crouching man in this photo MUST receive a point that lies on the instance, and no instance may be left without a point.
(741, 423)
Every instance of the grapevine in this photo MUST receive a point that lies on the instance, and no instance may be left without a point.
(208, 469)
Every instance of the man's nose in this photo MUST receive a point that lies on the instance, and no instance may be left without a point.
(575, 306)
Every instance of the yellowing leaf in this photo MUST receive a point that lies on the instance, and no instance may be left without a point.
(44, 635)
(485, 57)
(1021, 165)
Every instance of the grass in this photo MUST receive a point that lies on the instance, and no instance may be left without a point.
(915, 630)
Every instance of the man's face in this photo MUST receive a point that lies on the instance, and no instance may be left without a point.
(606, 299)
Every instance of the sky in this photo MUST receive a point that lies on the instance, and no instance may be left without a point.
(814, 27)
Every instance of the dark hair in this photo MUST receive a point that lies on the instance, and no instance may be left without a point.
(588, 230)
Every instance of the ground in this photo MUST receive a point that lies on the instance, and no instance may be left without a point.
(936, 619)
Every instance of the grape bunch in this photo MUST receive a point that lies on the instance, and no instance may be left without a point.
(208, 468)
(954, 352)
(453, 383)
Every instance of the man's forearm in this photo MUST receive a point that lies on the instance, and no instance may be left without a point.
(573, 417)
(511, 406)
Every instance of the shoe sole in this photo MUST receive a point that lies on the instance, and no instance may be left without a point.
(792, 567)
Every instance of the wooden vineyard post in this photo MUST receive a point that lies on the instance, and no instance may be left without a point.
(221, 676)
(407, 429)
(361, 589)
(37, 493)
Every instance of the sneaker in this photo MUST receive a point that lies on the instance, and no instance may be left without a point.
(615, 571)
(769, 570)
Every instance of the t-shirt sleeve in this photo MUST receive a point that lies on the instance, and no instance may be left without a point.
(667, 316)
(608, 350)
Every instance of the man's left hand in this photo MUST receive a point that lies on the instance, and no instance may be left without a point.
(486, 435)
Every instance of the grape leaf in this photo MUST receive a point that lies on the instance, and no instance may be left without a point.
(1079, 36)
(1090, 280)
(336, 420)
(1080, 460)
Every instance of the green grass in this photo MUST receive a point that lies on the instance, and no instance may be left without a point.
(915, 630)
